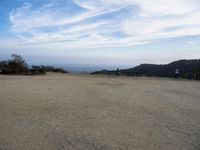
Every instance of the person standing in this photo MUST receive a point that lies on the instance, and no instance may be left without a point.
(176, 73)
(117, 72)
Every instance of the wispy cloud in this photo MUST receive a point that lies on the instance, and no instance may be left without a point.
(103, 23)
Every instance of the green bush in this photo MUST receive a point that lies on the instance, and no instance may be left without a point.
(197, 73)
(38, 70)
(44, 69)
(16, 65)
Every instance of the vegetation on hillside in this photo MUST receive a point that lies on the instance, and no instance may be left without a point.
(197, 73)
(44, 69)
(189, 69)
(17, 65)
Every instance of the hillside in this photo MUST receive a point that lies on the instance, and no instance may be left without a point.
(186, 68)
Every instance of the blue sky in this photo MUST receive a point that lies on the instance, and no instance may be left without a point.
(124, 32)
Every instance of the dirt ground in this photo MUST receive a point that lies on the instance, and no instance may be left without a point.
(84, 112)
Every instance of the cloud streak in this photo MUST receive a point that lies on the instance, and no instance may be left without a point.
(103, 23)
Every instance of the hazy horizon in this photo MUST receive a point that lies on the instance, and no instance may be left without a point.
(104, 33)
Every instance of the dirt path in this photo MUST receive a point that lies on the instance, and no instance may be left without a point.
(74, 112)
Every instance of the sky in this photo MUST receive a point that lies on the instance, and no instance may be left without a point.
(122, 32)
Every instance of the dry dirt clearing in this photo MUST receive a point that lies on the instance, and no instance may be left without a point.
(83, 112)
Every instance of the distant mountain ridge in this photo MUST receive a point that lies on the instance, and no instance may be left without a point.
(186, 67)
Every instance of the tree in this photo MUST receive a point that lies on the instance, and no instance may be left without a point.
(38, 70)
(197, 73)
(15, 65)
(3, 66)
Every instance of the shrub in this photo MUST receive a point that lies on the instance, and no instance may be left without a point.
(197, 73)
(38, 70)
(16, 65)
